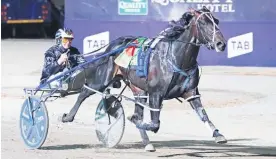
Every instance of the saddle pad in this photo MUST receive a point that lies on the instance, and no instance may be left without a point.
(129, 55)
(124, 60)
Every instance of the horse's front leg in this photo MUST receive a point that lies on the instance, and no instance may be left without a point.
(197, 106)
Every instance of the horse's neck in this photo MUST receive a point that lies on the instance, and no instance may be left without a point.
(185, 53)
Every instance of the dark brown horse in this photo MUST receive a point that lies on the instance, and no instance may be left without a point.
(173, 71)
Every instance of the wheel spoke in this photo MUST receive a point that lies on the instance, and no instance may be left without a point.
(25, 117)
(29, 132)
(37, 131)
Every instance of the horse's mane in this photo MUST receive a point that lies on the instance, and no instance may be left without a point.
(175, 28)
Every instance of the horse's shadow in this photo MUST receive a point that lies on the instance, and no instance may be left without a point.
(211, 149)
(196, 148)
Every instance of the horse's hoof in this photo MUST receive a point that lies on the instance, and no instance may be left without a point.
(150, 148)
(65, 118)
(129, 118)
(219, 138)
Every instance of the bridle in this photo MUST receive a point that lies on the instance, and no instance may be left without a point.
(195, 22)
(208, 14)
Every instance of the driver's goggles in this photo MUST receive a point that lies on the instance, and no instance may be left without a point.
(65, 40)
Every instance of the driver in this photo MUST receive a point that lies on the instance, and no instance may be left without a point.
(60, 58)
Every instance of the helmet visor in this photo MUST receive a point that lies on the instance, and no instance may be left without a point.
(65, 40)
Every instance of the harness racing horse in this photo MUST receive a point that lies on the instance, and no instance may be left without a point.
(172, 72)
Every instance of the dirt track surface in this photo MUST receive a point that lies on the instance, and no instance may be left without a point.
(240, 101)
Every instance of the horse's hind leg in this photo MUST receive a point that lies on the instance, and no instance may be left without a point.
(139, 115)
(85, 93)
(197, 106)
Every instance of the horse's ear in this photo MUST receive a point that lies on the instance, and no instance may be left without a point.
(205, 9)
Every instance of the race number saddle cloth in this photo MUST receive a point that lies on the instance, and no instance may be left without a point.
(137, 57)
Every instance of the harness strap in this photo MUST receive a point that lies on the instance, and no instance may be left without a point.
(183, 73)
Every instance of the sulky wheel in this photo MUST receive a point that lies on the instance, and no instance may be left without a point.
(110, 121)
(34, 122)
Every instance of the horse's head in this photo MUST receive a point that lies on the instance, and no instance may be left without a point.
(205, 27)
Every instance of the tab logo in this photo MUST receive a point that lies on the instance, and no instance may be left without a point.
(240, 45)
(96, 41)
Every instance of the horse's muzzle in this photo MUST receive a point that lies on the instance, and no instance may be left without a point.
(220, 46)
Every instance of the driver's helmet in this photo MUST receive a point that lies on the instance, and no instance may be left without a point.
(63, 34)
